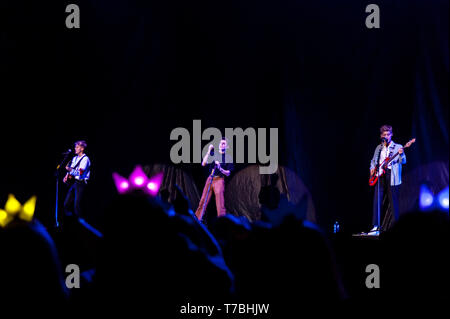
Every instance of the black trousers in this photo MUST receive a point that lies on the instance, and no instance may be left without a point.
(388, 197)
(74, 197)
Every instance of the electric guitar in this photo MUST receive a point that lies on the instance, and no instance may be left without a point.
(70, 179)
(374, 178)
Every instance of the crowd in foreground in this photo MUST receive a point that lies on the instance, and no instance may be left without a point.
(155, 256)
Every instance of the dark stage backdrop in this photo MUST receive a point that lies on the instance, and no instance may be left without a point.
(135, 70)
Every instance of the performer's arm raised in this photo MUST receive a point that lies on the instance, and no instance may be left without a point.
(205, 159)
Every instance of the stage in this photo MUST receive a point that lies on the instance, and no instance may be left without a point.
(119, 120)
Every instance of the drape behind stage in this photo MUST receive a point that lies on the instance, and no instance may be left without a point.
(241, 192)
(174, 176)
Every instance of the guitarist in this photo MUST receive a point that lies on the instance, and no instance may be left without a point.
(392, 178)
(78, 173)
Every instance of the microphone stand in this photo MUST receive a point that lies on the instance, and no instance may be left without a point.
(207, 193)
(378, 191)
(378, 206)
(57, 176)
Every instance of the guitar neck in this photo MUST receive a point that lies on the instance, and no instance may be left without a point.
(385, 163)
(398, 152)
(392, 158)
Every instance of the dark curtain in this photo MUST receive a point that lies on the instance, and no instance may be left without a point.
(174, 176)
(343, 81)
(242, 192)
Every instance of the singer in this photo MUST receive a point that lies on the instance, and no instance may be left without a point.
(221, 167)
(78, 173)
(390, 181)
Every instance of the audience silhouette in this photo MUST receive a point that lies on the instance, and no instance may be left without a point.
(155, 256)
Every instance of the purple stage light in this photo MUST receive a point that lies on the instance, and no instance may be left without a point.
(138, 177)
(121, 183)
(154, 184)
(138, 180)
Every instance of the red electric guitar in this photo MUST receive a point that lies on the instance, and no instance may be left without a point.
(374, 178)
(70, 178)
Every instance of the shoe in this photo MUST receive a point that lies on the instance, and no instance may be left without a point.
(360, 234)
(373, 233)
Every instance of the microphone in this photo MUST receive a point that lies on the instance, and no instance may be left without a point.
(383, 140)
(212, 151)
(68, 152)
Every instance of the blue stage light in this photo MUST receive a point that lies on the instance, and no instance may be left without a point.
(443, 199)
(426, 197)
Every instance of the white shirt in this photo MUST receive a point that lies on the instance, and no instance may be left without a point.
(85, 166)
(383, 155)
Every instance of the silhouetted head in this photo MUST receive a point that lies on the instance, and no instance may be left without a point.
(269, 196)
(30, 269)
(417, 260)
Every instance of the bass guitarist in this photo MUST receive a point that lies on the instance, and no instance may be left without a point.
(78, 173)
(390, 176)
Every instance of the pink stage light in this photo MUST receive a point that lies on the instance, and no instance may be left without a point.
(138, 177)
(121, 183)
(138, 180)
(154, 184)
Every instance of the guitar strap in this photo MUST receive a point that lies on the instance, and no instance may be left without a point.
(79, 161)
(391, 151)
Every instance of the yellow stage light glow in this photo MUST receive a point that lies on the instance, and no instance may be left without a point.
(13, 209)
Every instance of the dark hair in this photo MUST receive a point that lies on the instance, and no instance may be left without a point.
(81, 143)
(385, 128)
